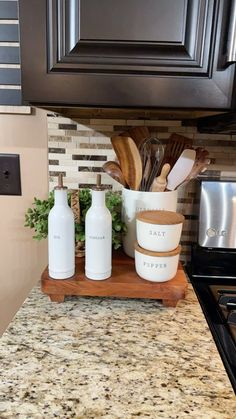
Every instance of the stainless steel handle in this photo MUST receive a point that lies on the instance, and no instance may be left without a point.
(231, 44)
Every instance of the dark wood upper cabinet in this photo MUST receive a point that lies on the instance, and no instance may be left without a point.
(127, 53)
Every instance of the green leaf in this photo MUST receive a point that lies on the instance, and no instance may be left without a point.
(37, 217)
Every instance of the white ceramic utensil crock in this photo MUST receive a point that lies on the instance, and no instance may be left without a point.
(136, 201)
(159, 231)
(156, 266)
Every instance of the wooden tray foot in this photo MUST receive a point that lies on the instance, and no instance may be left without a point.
(57, 298)
(170, 303)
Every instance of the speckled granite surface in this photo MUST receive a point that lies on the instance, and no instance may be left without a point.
(111, 358)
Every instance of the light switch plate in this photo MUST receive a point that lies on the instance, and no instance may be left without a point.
(10, 180)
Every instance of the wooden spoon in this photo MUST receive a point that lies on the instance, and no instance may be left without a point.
(201, 162)
(138, 134)
(113, 169)
(129, 159)
(198, 167)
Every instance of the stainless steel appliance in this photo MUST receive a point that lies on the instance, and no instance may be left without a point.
(217, 217)
(212, 270)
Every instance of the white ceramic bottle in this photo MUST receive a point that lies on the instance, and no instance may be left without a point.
(61, 235)
(98, 236)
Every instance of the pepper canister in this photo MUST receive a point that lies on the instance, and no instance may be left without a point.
(156, 266)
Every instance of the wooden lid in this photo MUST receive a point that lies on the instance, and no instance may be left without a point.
(160, 217)
(159, 254)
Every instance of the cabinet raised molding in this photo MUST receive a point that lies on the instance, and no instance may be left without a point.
(127, 53)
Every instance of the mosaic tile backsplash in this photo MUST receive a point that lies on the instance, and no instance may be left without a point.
(78, 148)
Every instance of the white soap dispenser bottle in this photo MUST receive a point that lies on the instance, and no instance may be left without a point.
(61, 235)
(98, 236)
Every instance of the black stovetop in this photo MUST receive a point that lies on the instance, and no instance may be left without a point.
(216, 292)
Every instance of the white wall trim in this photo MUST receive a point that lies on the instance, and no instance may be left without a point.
(15, 109)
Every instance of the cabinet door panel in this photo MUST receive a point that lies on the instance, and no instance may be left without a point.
(162, 53)
(133, 20)
(92, 36)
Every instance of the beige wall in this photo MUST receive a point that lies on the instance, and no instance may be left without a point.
(22, 259)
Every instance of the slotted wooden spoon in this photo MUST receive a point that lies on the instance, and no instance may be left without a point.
(129, 160)
(175, 146)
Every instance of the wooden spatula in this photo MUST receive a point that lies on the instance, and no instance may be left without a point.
(129, 160)
(181, 169)
(176, 144)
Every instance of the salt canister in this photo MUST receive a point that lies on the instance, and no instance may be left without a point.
(136, 201)
(159, 231)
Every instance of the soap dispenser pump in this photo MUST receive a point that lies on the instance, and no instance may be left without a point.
(61, 235)
(98, 236)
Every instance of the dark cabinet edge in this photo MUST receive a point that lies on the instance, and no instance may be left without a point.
(221, 123)
(187, 115)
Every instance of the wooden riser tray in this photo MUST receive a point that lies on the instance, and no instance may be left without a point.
(123, 283)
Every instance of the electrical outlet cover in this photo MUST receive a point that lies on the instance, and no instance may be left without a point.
(10, 180)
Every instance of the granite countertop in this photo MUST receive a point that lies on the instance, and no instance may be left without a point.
(111, 358)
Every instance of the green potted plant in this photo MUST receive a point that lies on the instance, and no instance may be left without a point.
(36, 217)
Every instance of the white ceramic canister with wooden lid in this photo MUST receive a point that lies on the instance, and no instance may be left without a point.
(159, 231)
(156, 266)
(136, 201)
